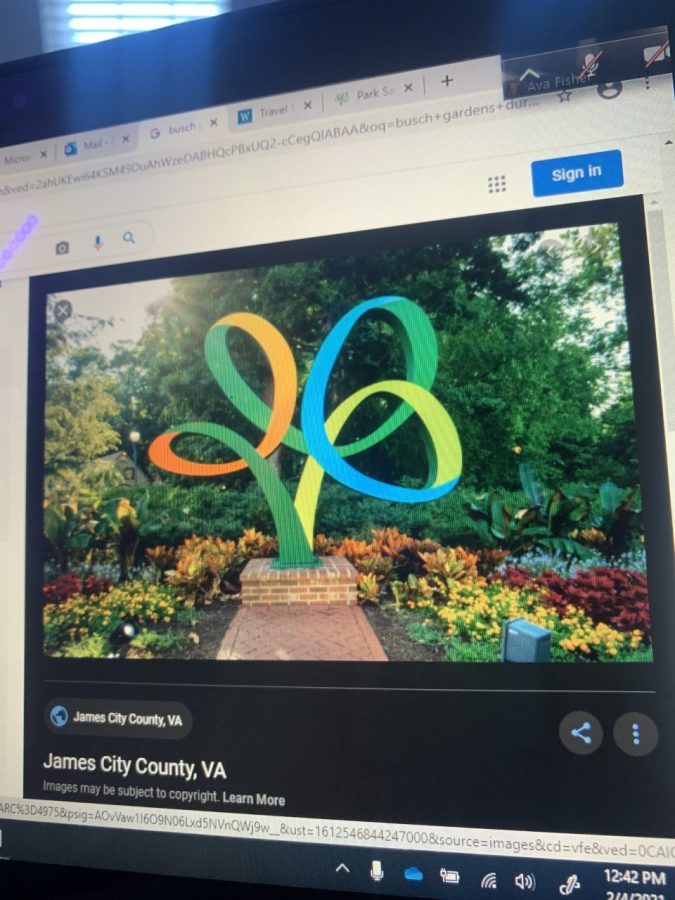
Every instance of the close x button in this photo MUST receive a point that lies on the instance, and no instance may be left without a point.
(572, 174)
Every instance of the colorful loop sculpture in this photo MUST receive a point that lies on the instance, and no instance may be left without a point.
(318, 435)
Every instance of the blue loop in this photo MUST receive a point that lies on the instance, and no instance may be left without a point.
(313, 416)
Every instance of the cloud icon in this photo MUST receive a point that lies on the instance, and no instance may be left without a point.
(412, 873)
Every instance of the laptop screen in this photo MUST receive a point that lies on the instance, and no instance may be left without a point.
(336, 547)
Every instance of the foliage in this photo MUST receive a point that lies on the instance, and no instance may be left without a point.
(148, 643)
(202, 569)
(79, 528)
(342, 513)
(619, 521)
(253, 545)
(489, 559)
(617, 597)
(126, 525)
(68, 585)
(539, 561)
(390, 542)
(68, 528)
(368, 587)
(533, 362)
(92, 584)
(93, 646)
(535, 525)
(594, 612)
(123, 523)
(79, 410)
(423, 632)
(161, 558)
(389, 553)
(63, 587)
(475, 611)
(589, 537)
(174, 512)
(80, 617)
(450, 564)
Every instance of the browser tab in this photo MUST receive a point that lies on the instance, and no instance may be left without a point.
(29, 156)
(275, 110)
(375, 93)
(98, 144)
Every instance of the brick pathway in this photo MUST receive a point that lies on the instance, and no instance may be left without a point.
(294, 632)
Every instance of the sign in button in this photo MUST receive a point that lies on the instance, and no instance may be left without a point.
(572, 174)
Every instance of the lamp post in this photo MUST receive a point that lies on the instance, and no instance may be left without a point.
(134, 437)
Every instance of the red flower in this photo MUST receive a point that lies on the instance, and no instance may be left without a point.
(62, 588)
(617, 597)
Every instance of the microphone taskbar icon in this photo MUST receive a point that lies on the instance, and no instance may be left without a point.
(376, 870)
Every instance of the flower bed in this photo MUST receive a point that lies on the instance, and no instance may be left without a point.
(452, 598)
(99, 617)
(616, 597)
(474, 614)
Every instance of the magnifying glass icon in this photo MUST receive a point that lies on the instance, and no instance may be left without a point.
(128, 237)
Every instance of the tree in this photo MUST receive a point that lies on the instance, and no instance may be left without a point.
(529, 368)
(79, 408)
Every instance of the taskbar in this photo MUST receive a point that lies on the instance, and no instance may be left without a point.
(287, 829)
(406, 873)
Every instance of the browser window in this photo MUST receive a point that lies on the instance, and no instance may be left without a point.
(337, 495)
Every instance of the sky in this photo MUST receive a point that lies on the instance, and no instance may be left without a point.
(127, 304)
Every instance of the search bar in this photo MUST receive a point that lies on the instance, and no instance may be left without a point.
(59, 250)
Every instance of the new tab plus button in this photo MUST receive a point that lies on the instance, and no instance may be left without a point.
(572, 174)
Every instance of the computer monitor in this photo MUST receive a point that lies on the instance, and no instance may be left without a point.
(336, 360)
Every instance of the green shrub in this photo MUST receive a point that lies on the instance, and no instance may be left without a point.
(174, 512)
(153, 642)
(95, 646)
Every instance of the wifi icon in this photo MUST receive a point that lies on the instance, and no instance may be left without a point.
(489, 881)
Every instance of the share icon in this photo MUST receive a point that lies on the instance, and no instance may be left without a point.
(582, 733)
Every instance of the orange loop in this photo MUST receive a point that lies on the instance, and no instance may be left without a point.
(285, 383)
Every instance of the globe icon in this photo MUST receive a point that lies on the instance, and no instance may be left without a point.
(58, 716)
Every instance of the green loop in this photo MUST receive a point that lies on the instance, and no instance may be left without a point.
(294, 547)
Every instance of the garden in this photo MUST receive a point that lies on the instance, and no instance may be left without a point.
(575, 566)
(544, 525)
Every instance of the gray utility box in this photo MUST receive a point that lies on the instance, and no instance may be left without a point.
(525, 642)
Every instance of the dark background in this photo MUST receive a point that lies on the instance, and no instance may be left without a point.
(444, 744)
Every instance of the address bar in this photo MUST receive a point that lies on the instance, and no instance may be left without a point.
(390, 122)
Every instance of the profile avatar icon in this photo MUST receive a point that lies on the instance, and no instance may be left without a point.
(611, 90)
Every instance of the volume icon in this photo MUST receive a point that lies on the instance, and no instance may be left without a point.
(525, 881)
(489, 881)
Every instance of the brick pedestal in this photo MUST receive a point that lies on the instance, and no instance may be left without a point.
(332, 583)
